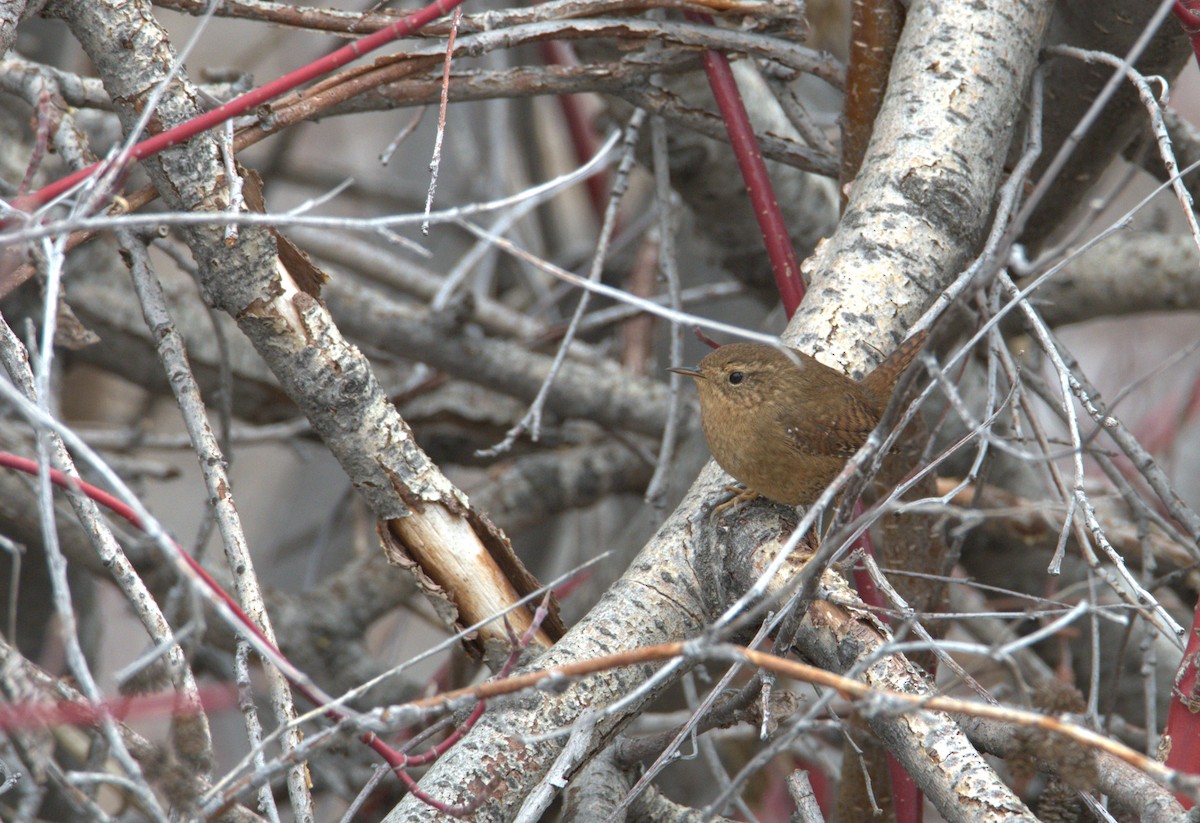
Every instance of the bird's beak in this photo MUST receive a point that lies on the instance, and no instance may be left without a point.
(686, 371)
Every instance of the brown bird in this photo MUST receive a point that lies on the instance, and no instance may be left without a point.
(785, 429)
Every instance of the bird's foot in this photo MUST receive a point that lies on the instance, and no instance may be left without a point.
(740, 494)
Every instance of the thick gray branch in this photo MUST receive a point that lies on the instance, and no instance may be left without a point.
(660, 598)
(1127, 274)
(919, 209)
(923, 197)
(330, 380)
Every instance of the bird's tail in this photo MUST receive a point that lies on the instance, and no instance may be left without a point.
(880, 382)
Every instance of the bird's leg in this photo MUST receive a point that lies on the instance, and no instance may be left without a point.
(827, 519)
(741, 494)
(822, 528)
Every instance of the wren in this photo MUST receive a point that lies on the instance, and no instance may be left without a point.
(785, 429)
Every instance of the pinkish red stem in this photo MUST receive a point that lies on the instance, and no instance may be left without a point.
(395, 759)
(1183, 721)
(30, 714)
(583, 137)
(782, 255)
(254, 98)
(907, 803)
(1187, 12)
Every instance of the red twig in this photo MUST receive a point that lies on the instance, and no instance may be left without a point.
(568, 587)
(1187, 12)
(1183, 721)
(84, 712)
(704, 338)
(393, 758)
(907, 803)
(252, 99)
(784, 264)
(435, 165)
(579, 126)
(105, 499)
(875, 27)
(867, 590)
(1159, 428)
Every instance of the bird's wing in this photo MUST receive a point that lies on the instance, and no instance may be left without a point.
(809, 433)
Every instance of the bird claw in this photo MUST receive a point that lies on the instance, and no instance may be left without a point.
(741, 495)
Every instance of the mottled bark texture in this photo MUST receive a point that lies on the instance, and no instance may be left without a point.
(425, 517)
(923, 199)
(924, 195)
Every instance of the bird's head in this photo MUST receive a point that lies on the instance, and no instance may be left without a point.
(740, 376)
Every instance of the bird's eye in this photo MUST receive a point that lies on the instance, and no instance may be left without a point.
(736, 377)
